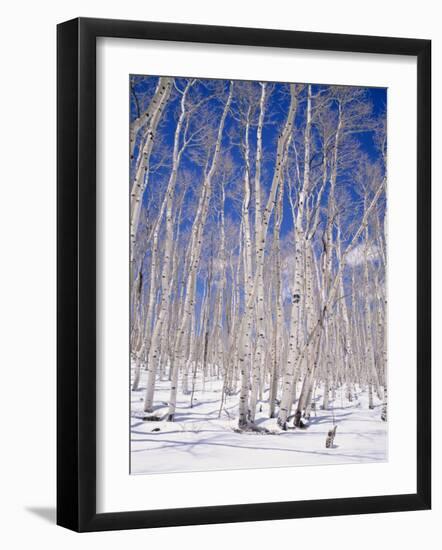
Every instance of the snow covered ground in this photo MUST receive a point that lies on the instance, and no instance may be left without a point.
(199, 441)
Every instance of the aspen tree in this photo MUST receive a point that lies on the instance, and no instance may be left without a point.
(195, 252)
(166, 206)
(299, 282)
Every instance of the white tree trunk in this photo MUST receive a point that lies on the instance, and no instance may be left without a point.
(299, 281)
(153, 116)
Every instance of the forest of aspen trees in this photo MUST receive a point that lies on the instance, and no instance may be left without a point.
(258, 274)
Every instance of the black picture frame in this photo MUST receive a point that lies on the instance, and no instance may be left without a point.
(77, 287)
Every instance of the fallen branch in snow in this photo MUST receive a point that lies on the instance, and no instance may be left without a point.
(151, 418)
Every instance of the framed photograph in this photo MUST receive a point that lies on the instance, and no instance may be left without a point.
(243, 274)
